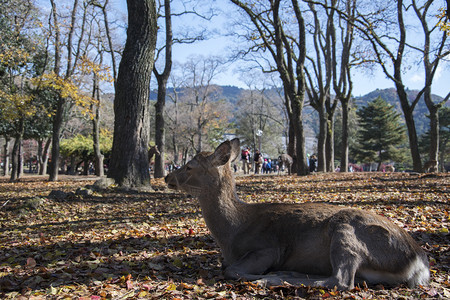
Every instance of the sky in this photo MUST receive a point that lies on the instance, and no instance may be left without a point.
(363, 82)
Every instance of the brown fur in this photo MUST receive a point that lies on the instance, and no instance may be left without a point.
(275, 242)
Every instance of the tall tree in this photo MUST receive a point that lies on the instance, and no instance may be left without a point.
(162, 78)
(288, 53)
(431, 52)
(72, 54)
(18, 47)
(201, 93)
(342, 81)
(387, 34)
(381, 133)
(129, 157)
(319, 82)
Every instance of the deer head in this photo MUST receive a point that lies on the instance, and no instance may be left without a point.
(205, 171)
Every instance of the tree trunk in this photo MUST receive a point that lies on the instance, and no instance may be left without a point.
(344, 145)
(17, 169)
(297, 110)
(99, 169)
(322, 139)
(410, 124)
(98, 156)
(160, 128)
(20, 161)
(57, 126)
(329, 144)
(15, 160)
(42, 156)
(6, 156)
(161, 102)
(129, 157)
(434, 129)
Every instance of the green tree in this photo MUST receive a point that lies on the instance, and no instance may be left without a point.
(381, 133)
(18, 46)
(79, 149)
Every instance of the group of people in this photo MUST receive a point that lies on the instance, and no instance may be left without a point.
(262, 165)
(266, 165)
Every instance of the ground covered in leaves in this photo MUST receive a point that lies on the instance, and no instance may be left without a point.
(127, 245)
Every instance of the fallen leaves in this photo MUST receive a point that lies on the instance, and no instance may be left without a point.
(117, 245)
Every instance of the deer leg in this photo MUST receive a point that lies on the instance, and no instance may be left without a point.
(346, 253)
(252, 265)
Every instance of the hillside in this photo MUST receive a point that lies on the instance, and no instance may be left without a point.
(390, 95)
(232, 93)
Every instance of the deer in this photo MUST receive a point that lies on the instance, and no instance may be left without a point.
(389, 168)
(308, 243)
(430, 166)
(286, 161)
(153, 150)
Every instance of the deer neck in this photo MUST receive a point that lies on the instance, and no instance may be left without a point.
(221, 208)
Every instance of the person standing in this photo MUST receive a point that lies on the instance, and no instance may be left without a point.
(245, 158)
(258, 160)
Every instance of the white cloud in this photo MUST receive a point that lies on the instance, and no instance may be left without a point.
(438, 72)
(416, 78)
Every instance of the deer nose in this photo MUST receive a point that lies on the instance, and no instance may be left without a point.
(166, 179)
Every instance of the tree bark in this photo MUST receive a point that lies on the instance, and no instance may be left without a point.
(129, 157)
(56, 134)
(329, 145)
(344, 149)
(43, 156)
(16, 158)
(6, 156)
(161, 101)
(98, 156)
(322, 139)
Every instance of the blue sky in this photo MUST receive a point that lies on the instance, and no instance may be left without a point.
(363, 81)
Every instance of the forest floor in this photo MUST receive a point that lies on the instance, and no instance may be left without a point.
(127, 245)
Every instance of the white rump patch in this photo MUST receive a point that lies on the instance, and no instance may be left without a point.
(417, 273)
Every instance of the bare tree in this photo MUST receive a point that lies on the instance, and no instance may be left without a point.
(72, 58)
(342, 81)
(163, 76)
(288, 52)
(162, 79)
(432, 52)
(199, 74)
(129, 157)
(389, 49)
(319, 82)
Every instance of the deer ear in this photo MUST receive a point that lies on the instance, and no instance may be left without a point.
(222, 154)
(235, 148)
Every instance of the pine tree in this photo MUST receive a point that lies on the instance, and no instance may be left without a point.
(381, 133)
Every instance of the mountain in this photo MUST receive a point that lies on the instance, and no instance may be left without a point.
(390, 95)
(232, 94)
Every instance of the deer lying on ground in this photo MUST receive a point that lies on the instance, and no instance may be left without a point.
(286, 161)
(389, 168)
(276, 242)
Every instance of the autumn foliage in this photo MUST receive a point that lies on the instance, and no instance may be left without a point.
(115, 244)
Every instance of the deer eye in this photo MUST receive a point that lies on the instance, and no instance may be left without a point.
(188, 168)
